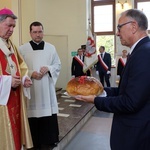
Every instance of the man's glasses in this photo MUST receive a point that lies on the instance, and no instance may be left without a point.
(121, 25)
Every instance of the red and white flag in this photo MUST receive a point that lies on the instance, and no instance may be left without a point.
(90, 52)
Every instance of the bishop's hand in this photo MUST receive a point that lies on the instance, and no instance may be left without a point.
(16, 81)
(27, 82)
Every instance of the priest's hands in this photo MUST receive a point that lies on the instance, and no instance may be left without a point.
(37, 75)
(44, 70)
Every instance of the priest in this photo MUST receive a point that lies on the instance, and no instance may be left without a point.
(44, 68)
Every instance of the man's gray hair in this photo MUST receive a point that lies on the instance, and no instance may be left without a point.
(138, 16)
(4, 16)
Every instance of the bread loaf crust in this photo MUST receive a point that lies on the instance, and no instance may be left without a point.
(84, 85)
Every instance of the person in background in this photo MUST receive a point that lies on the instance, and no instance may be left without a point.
(77, 65)
(121, 62)
(103, 66)
(14, 127)
(44, 68)
(130, 102)
(89, 71)
(83, 47)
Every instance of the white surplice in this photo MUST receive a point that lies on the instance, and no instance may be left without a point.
(43, 100)
(5, 86)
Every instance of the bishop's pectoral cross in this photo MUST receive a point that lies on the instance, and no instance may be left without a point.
(12, 66)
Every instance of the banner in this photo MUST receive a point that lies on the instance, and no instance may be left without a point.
(90, 52)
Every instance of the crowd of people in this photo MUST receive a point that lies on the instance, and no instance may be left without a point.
(102, 67)
(32, 70)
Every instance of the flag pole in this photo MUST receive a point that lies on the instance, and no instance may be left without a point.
(90, 52)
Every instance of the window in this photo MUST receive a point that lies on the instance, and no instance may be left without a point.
(144, 6)
(103, 25)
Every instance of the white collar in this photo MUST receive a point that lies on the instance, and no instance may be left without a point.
(133, 46)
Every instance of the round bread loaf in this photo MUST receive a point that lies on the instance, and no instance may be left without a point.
(84, 85)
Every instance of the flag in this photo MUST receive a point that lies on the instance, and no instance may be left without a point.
(90, 52)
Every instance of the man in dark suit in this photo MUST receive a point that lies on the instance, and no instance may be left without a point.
(130, 102)
(103, 66)
(77, 65)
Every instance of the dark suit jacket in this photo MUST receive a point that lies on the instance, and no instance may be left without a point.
(131, 108)
(77, 68)
(107, 60)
